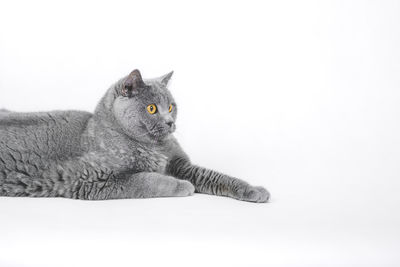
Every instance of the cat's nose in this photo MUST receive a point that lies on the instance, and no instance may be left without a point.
(169, 123)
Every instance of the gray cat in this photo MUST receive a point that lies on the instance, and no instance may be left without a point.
(124, 150)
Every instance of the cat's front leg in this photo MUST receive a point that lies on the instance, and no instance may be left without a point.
(138, 185)
(152, 184)
(215, 183)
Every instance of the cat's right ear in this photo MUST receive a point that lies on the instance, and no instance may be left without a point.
(132, 84)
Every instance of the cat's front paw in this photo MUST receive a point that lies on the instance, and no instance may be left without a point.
(254, 194)
(184, 189)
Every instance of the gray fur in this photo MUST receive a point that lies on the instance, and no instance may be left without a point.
(120, 151)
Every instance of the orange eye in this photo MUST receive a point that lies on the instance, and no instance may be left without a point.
(170, 108)
(152, 108)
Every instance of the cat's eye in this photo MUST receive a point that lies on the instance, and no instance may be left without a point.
(170, 108)
(152, 108)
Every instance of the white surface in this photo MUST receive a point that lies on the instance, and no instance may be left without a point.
(301, 97)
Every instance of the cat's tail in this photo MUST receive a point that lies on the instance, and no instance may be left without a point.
(4, 112)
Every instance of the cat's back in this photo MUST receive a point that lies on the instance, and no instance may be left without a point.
(51, 135)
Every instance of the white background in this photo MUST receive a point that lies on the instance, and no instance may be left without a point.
(301, 97)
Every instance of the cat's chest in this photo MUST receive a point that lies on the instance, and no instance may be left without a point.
(130, 157)
(149, 160)
(137, 159)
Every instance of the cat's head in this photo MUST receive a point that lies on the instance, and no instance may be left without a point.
(145, 109)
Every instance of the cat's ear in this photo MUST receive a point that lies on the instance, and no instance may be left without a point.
(165, 79)
(132, 84)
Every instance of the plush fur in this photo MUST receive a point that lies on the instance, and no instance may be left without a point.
(120, 151)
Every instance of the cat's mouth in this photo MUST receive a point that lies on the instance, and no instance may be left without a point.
(162, 131)
(159, 132)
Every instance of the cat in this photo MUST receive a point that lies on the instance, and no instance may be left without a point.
(126, 149)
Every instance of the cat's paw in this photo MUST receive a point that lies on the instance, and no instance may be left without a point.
(184, 189)
(255, 194)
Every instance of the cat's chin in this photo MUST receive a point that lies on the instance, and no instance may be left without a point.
(161, 134)
(160, 137)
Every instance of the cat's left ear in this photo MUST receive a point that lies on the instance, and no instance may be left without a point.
(165, 79)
